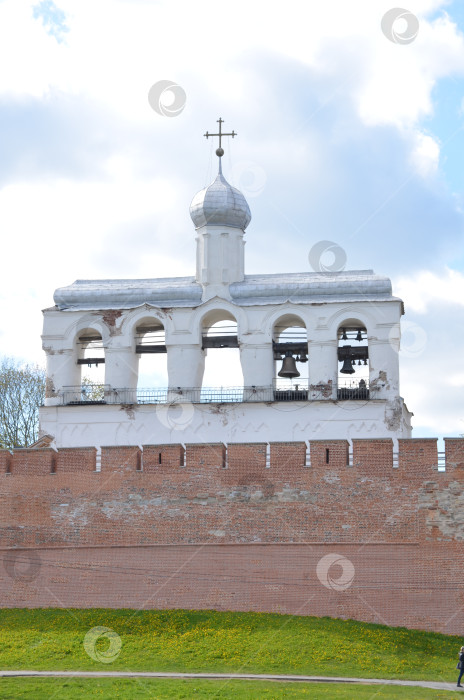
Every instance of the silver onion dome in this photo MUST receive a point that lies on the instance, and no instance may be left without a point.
(220, 204)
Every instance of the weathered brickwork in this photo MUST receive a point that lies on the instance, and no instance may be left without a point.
(419, 457)
(32, 462)
(157, 458)
(373, 457)
(246, 463)
(454, 453)
(329, 454)
(75, 460)
(6, 459)
(212, 455)
(287, 457)
(242, 526)
(126, 458)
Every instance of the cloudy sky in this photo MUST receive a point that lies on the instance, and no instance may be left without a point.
(346, 133)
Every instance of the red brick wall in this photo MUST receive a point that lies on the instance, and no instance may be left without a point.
(6, 459)
(329, 454)
(120, 457)
(373, 456)
(287, 462)
(33, 461)
(76, 460)
(454, 450)
(417, 457)
(242, 536)
(210, 455)
(156, 457)
(288, 456)
(246, 463)
(252, 454)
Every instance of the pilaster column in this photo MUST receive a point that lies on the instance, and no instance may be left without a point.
(323, 368)
(121, 367)
(186, 366)
(62, 371)
(384, 367)
(257, 365)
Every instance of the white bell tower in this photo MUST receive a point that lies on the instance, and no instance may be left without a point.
(221, 214)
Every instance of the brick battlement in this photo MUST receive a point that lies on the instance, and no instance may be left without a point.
(417, 458)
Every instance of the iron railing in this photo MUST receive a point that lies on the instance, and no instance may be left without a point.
(281, 391)
(354, 389)
(441, 466)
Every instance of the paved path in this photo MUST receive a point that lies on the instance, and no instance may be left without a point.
(435, 685)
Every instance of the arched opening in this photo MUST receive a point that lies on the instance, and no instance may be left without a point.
(150, 346)
(223, 376)
(91, 366)
(353, 361)
(290, 348)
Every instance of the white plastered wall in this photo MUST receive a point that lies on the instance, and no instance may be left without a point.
(384, 416)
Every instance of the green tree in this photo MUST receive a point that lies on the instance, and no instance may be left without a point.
(22, 391)
(94, 391)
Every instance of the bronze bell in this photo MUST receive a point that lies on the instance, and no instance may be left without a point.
(289, 369)
(347, 366)
(303, 356)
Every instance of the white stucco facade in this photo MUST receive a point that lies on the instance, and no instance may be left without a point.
(117, 312)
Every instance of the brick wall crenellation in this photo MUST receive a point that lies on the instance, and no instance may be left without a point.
(417, 458)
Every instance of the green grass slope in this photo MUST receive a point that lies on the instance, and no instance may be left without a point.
(180, 640)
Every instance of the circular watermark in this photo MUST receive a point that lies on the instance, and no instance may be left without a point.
(176, 415)
(167, 98)
(22, 565)
(92, 648)
(327, 256)
(249, 177)
(413, 339)
(400, 26)
(329, 578)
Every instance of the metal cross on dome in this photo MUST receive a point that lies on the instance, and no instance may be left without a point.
(220, 150)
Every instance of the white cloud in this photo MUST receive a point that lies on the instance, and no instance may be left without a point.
(34, 58)
(425, 154)
(432, 380)
(61, 230)
(455, 379)
(115, 50)
(399, 79)
(421, 290)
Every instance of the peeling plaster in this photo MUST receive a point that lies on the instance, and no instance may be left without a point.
(129, 409)
(394, 414)
(50, 391)
(381, 380)
(325, 388)
(109, 319)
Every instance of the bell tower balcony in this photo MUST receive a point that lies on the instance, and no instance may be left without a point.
(281, 391)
